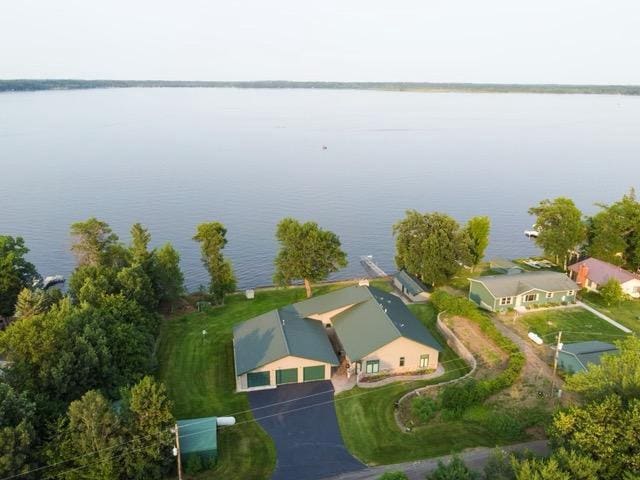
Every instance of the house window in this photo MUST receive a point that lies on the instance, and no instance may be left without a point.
(549, 295)
(424, 361)
(373, 366)
(506, 300)
(402, 361)
(531, 297)
(571, 293)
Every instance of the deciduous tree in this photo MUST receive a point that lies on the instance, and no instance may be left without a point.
(477, 232)
(212, 239)
(431, 246)
(561, 228)
(94, 243)
(16, 432)
(167, 276)
(16, 272)
(611, 292)
(307, 252)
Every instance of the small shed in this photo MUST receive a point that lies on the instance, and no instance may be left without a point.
(410, 286)
(199, 437)
(500, 265)
(574, 357)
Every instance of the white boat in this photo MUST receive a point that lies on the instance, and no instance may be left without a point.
(52, 280)
(531, 233)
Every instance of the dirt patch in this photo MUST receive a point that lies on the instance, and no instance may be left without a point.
(491, 359)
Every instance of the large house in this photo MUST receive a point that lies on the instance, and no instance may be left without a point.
(362, 328)
(503, 292)
(593, 273)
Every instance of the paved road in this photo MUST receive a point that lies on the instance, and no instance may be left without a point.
(305, 431)
(474, 458)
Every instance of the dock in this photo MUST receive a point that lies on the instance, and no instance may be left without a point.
(372, 269)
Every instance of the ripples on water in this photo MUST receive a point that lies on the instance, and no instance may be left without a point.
(172, 158)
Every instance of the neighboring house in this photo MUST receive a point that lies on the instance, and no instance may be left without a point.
(502, 292)
(500, 265)
(574, 357)
(373, 331)
(593, 273)
(410, 286)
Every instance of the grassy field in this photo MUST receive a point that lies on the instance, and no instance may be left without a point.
(627, 312)
(368, 426)
(577, 325)
(199, 376)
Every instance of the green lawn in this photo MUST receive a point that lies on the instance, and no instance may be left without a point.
(199, 376)
(576, 324)
(368, 426)
(627, 312)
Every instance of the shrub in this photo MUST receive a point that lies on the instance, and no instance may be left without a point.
(393, 476)
(457, 397)
(424, 408)
(193, 464)
(454, 470)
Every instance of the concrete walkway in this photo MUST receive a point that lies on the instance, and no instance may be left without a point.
(603, 316)
(475, 458)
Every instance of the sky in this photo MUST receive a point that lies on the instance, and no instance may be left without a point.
(501, 41)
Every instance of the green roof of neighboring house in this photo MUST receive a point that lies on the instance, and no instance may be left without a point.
(278, 334)
(588, 352)
(198, 435)
(410, 284)
(512, 285)
(375, 319)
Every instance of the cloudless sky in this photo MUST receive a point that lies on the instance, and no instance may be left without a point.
(537, 41)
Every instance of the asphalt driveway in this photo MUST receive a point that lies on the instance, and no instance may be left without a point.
(301, 420)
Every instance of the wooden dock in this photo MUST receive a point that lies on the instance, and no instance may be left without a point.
(372, 269)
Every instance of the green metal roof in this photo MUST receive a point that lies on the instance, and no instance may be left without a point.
(198, 435)
(411, 284)
(278, 334)
(512, 285)
(588, 352)
(376, 319)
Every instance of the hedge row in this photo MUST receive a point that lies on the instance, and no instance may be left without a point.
(483, 389)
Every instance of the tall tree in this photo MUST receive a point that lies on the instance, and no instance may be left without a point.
(611, 292)
(614, 232)
(16, 432)
(477, 231)
(148, 419)
(91, 436)
(307, 253)
(167, 276)
(139, 248)
(16, 272)
(212, 239)
(430, 245)
(94, 242)
(561, 228)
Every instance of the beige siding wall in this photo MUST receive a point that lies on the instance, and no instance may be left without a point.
(326, 317)
(283, 364)
(389, 356)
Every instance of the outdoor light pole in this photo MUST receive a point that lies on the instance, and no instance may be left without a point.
(177, 452)
(555, 361)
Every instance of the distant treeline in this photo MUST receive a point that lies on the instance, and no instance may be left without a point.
(24, 85)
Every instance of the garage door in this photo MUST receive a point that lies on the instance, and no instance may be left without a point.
(289, 375)
(313, 373)
(258, 379)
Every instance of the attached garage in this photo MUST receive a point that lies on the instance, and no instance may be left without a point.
(313, 373)
(289, 375)
(258, 379)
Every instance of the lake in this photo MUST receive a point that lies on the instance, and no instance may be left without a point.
(172, 158)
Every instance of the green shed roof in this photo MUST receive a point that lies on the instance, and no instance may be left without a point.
(411, 284)
(278, 334)
(198, 435)
(590, 352)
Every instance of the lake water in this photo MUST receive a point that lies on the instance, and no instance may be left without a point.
(172, 158)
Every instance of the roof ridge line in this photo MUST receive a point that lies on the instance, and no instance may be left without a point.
(386, 314)
(284, 335)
